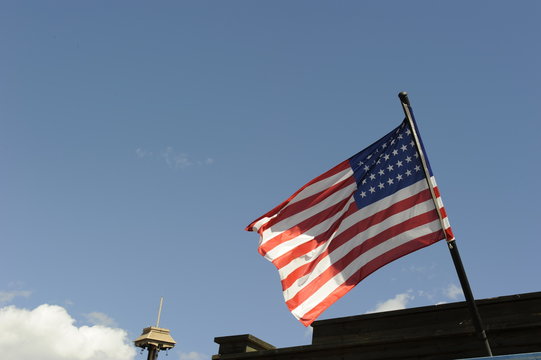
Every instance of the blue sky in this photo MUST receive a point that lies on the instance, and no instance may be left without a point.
(138, 140)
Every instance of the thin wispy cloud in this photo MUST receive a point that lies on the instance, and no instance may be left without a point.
(453, 292)
(427, 294)
(427, 271)
(98, 318)
(141, 153)
(174, 159)
(399, 302)
(442, 295)
(209, 161)
(8, 296)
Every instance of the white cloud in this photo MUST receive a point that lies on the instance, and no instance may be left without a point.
(209, 161)
(7, 296)
(399, 302)
(453, 292)
(176, 160)
(192, 356)
(98, 318)
(48, 333)
(141, 153)
(428, 294)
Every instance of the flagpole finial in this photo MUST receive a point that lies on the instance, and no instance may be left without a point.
(404, 97)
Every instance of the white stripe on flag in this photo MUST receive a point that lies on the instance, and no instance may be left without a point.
(340, 278)
(288, 223)
(291, 244)
(357, 240)
(366, 212)
(322, 185)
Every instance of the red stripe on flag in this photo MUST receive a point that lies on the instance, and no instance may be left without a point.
(443, 212)
(302, 227)
(307, 203)
(448, 231)
(449, 236)
(342, 238)
(358, 251)
(352, 231)
(308, 246)
(368, 269)
(335, 170)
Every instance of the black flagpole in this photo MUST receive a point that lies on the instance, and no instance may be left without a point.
(453, 249)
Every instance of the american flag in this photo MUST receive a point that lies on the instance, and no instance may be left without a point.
(343, 225)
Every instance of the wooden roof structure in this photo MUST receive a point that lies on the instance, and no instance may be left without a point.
(438, 332)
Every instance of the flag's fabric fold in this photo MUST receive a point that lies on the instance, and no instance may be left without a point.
(343, 225)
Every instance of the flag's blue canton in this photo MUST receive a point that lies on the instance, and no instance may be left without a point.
(387, 166)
